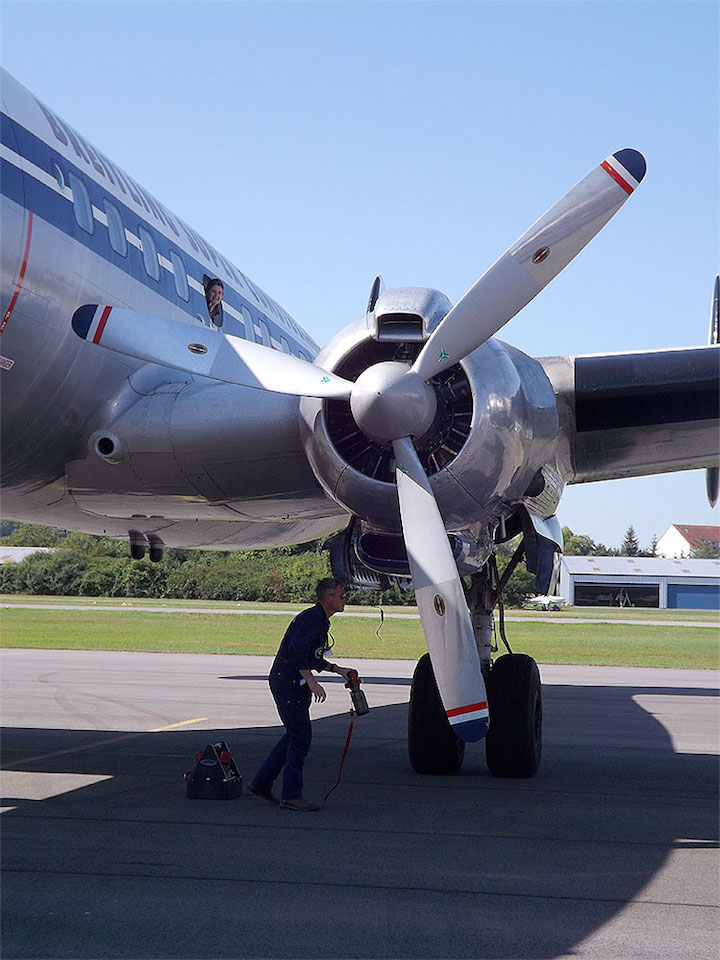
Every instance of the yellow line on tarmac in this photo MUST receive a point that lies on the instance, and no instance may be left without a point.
(184, 723)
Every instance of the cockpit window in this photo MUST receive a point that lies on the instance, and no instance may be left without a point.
(214, 293)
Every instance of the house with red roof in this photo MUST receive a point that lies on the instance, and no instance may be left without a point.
(681, 539)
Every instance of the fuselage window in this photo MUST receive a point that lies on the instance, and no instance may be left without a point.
(247, 322)
(149, 252)
(180, 273)
(116, 228)
(58, 174)
(284, 345)
(264, 336)
(81, 203)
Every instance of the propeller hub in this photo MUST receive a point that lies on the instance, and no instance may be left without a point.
(390, 401)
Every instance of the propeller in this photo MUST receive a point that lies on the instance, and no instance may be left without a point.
(392, 402)
(440, 599)
(532, 261)
(204, 352)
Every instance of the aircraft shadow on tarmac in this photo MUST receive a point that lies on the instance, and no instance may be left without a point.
(464, 866)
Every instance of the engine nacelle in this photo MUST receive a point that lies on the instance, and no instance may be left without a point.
(495, 426)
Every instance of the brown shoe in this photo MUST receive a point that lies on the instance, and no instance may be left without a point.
(267, 795)
(299, 803)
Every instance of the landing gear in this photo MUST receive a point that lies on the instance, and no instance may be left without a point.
(434, 747)
(514, 742)
(513, 745)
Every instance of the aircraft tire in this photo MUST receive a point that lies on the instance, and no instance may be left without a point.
(513, 745)
(434, 747)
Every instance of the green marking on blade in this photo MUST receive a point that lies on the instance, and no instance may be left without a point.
(402, 469)
(443, 355)
(325, 380)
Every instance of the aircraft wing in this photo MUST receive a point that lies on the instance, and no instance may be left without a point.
(634, 414)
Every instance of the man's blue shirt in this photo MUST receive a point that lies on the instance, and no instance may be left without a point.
(305, 640)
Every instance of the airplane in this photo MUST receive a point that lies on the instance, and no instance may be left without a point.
(546, 602)
(415, 440)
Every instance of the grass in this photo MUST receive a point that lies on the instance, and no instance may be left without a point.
(573, 613)
(614, 644)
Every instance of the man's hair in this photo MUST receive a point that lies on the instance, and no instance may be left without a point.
(326, 586)
(215, 282)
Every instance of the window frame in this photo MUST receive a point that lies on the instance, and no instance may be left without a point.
(114, 216)
(149, 253)
(265, 335)
(181, 282)
(82, 204)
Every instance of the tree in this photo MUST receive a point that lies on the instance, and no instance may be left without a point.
(33, 535)
(706, 550)
(578, 545)
(94, 546)
(52, 574)
(630, 546)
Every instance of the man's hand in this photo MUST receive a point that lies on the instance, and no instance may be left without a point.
(317, 691)
(343, 671)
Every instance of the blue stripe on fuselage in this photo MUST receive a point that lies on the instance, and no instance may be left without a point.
(49, 205)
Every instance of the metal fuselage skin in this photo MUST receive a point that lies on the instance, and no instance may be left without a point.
(198, 463)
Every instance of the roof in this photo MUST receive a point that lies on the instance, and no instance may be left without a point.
(694, 534)
(642, 566)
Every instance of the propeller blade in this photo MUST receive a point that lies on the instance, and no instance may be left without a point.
(440, 598)
(532, 262)
(204, 352)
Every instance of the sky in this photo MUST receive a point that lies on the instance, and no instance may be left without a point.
(317, 144)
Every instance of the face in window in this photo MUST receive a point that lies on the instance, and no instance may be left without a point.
(214, 295)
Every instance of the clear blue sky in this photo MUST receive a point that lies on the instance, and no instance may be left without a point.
(317, 144)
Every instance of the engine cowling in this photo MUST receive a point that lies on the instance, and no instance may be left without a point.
(495, 422)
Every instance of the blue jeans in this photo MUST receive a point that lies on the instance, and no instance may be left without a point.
(293, 704)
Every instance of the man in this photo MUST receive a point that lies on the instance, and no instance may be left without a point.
(214, 292)
(293, 687)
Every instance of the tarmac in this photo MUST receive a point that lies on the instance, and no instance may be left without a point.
(610, 852)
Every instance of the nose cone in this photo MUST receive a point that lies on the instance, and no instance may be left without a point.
(389, 401)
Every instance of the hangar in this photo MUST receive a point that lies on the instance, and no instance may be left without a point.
(641, 582)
